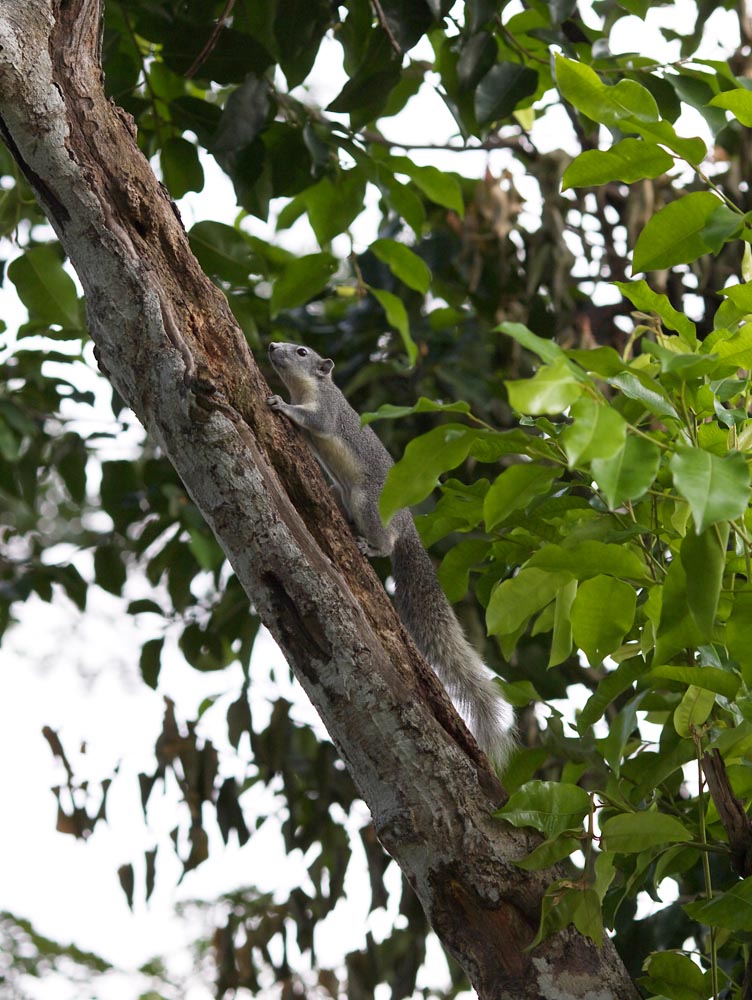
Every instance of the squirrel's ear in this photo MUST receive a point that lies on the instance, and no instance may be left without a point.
(325, 366)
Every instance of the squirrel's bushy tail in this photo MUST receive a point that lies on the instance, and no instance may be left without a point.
(432, 623)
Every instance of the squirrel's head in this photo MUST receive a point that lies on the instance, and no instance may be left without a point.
(296, 364)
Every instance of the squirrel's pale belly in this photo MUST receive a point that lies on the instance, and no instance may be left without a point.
(338, 460)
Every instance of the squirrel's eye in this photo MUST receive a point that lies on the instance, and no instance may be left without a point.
(302, 352)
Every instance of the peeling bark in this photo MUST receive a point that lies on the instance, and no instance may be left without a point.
(165, 336)
(731, 812)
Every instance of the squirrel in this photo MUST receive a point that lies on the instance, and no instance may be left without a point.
(357, 463)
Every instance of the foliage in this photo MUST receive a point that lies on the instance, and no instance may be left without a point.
(28, 955)
(598, 507)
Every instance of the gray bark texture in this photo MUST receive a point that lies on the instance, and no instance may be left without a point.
(166, 338)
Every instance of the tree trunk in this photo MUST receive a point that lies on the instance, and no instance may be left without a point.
(165, 336)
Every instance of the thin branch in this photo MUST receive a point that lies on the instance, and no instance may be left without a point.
(495, 142)
(207, 49)
(731, 811)
(385, 25)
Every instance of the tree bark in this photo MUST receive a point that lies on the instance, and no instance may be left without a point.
(169, 343)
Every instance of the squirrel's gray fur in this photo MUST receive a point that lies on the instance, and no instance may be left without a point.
(357, 462)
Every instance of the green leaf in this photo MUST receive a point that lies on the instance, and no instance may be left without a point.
(181, 167)
(704, 560)
(404, 264)
(477, 57)
(396, 316)
(547, 350)
(47, 291)
(600, 360)
(301, 280)
(676, 628)
(693, 150)
(564, 904)
(739, 632)
(733, 348)
(552, 389)
(460, 508)
(561, 635)
(388, 411)
(195, 115)
(629, 473)
(501, 90)
(222, 251)
(516, 600)
(109, 570)
(609, 105)
(642, 296)
(70, 458)
(416, 474)
(551, 807)
(637, 385)
(621, 732)
(454, 572)
(367, 91)
(590, 558)
(333, 205)
(738, 102)
(243, 116)
(151, 661)
(207, 551)
(707, 678)
(676, 233)
(686, 367)
(519, 694)
(631, 833)
(549, 853)
(730, 910)
(597, 431)
(738, 304)
(602, 613)
(298, 29)
(144, 606)
(404, 201)
(723, 224)
(440, 187)
(73, 584)
(716, 487)
(629, 160)
(609, 688)
(693, 710)
(677, 976)
(514, 489)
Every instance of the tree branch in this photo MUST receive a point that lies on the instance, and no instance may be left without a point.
(731, 811)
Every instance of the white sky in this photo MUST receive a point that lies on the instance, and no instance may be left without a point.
(79, 675)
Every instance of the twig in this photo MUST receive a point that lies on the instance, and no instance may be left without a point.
(206, 50)
(385, 25)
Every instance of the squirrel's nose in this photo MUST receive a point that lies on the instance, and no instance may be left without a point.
(273, 347)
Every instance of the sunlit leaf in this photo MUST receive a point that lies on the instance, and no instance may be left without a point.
(404, 263)
(552, 389)
(716, 487)
(676, 233)
(602, 613)
(547, 806)
(629, 160)
(631, 833)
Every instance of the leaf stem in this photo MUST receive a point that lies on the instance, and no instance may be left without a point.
(706, 861)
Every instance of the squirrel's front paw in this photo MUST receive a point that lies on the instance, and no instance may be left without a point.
(276, 402)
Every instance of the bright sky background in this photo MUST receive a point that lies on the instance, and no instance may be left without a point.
(79, 673)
